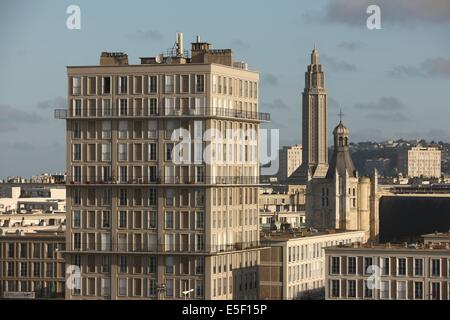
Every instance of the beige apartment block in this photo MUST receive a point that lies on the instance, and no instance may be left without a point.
(150, 217)
(293, 265)
(420, 162)
(290, 158)
(31, 264)
(398, 272)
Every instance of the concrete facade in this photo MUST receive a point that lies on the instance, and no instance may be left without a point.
(293, 267)
(398, 272)
(148, 223)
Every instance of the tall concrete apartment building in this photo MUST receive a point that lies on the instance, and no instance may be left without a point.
(162, 176)
(420, 162)
(290, 158)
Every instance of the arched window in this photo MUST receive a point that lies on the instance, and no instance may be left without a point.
(341, 141)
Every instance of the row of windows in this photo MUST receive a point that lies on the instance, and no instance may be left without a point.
(138, 242)
(416, 291)
(138, 84)
(36, 250)
(299, 253)
(389, 266)
(224, 85)
(305, 271)
(34, 269)
(182, 265)
(241, 218)
(42, 289)
(138, 197)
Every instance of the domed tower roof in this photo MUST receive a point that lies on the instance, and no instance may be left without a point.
(341, 130)
(341, 160)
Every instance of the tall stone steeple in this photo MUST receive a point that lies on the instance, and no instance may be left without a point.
(314, 124)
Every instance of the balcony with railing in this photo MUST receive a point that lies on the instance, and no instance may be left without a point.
(161, 248)
(163, 180)
(151, 112)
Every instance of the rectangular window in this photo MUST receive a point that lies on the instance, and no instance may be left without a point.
(76, 130)
(368, 262)
(169, 268)
(76, 85)
(123, 264)
(122, 219)
(401, 266)
(152, 219)
(335, 265)
(152, 84)
(199, 219)
(185, 83)
(169, 83)
(123, 152)
(106, 219)
(106, 130)
(385, 266)
(335, 289)
(152, 152)
(152, 106)
(199, 83)
(435, 290)
(123, 287)
(106, 153)
(169, 148)
(401, 290)
(351, 265)
(418, 267)
(152, 131)
(106, 85)
(123, 129)
(368, 289)
(123, 197)
(200, 242)
(385, 290)
(351, 288)
(76, 219)
(435, 267)
(168, 220)
(418, 290)
(77, 152)
(123, 84)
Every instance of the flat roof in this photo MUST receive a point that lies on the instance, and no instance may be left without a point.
(301, 234)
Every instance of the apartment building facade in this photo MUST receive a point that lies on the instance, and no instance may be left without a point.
(388, 272)
(293, 265)
(31, 264)
(420, 162)
(290, 158)
(162, 183)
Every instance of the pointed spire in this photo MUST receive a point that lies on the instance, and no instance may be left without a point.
(314, 55)
(341, 115)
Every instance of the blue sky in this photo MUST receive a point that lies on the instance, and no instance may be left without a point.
(390, 83)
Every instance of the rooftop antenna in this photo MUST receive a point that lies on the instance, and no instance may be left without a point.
(179, 44)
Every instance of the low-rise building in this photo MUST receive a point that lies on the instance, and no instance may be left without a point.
(278, 208)
(388, 271)
(293, 265)
(25, 198)
(31, 264)
(31, 261)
